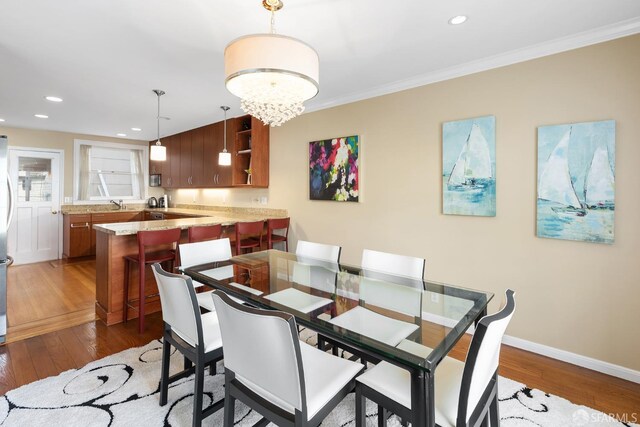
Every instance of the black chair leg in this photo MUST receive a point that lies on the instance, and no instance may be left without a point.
(361, 413)
(187, 363)
(229, 405)
(197, 396)
(164, 376)
(494, 412)
(382, 416)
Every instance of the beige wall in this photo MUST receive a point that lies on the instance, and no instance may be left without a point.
(579, 297)
(57, 140)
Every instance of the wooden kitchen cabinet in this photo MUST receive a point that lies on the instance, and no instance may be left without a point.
(250, 153)
(76, 236)
(215, 175)
(192, 156)
(109, 218)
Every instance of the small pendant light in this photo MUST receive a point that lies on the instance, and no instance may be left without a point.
(224, 158)
(158, 151)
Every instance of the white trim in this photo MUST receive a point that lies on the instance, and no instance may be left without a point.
(145, 166)
(586, 38)
(60, 153)
(554, 353)
(574, 359)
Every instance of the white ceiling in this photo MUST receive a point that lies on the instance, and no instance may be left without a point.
(105, 56)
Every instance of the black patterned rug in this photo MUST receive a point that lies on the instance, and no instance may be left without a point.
(123, 390)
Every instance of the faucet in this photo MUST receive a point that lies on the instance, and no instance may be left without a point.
(119, 203)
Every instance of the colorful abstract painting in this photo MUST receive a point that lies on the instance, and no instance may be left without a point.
(333, 169)
(576, 181)
(469, 167)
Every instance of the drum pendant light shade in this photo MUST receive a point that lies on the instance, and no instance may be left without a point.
(272, 74)
(158, 152)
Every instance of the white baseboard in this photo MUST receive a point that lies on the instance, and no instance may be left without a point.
(554, 353)
(574, 359)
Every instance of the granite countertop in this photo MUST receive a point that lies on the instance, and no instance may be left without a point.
(201, 217)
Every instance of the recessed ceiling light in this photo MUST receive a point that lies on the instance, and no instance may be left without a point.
(53, 98)
(121, 134)
(41, 116)
(457, 20)
(1, 120)
(136, 129)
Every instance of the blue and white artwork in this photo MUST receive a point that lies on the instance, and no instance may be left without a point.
(469, 167)
(576, 181)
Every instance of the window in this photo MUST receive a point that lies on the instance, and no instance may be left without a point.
(105, 171)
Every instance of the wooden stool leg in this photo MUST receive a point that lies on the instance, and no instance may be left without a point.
(125, 297)
(141, 280)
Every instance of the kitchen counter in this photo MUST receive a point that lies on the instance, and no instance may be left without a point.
(128, 228)
(116, 240)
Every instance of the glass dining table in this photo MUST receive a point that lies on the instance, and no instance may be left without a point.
(411, 323)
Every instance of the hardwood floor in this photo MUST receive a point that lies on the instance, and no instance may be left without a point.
(24, 361)
(48, 296)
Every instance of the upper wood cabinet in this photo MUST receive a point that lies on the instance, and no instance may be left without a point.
(192, 156)
(250, 153)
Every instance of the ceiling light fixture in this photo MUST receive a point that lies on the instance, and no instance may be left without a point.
(41, 116)
(271, 74)
(136, 129)
(158, 152)
(224, 157)
(121, 134)
(53, 98)
(1, 120)
(457, 20)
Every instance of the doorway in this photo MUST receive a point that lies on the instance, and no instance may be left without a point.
(34, 234)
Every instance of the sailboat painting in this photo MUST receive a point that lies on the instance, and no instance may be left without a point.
(468, 167)
(576, 181)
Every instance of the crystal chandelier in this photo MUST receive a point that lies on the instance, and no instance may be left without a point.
(271, 74)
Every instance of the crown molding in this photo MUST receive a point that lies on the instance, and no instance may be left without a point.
(575, 41)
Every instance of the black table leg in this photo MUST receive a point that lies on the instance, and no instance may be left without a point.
(422, 399)
(480, 316)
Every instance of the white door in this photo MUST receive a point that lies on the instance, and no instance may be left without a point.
(34, 234)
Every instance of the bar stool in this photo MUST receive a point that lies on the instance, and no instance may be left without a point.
(144, 258)
(278, 224)
(200, 233)
(250, 229)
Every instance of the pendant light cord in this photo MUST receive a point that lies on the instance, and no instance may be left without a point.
(224, 138)
(158, 119)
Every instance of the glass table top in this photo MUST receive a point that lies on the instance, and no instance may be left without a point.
(413, 322)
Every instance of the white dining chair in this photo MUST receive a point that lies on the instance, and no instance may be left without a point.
(270, 370)
(377, 294)
(466, 394)
(316, 267)
(197, 336)
(318, 251)
(378, 264)
(207, 252)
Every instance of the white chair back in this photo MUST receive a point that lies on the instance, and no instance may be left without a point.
(319, 251)
(483, 356)
(315, 274)
(391, 296)
(203, 252)
(401, 265)
(179, 304)
(272, 373)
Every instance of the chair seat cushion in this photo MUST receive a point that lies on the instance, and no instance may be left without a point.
(210, 332)
(395, 383)
(373, 325)
(298, 300)
(324, 376)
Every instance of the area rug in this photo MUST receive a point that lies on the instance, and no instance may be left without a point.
(123, 390)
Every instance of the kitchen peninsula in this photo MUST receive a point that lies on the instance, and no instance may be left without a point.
(114, 241)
